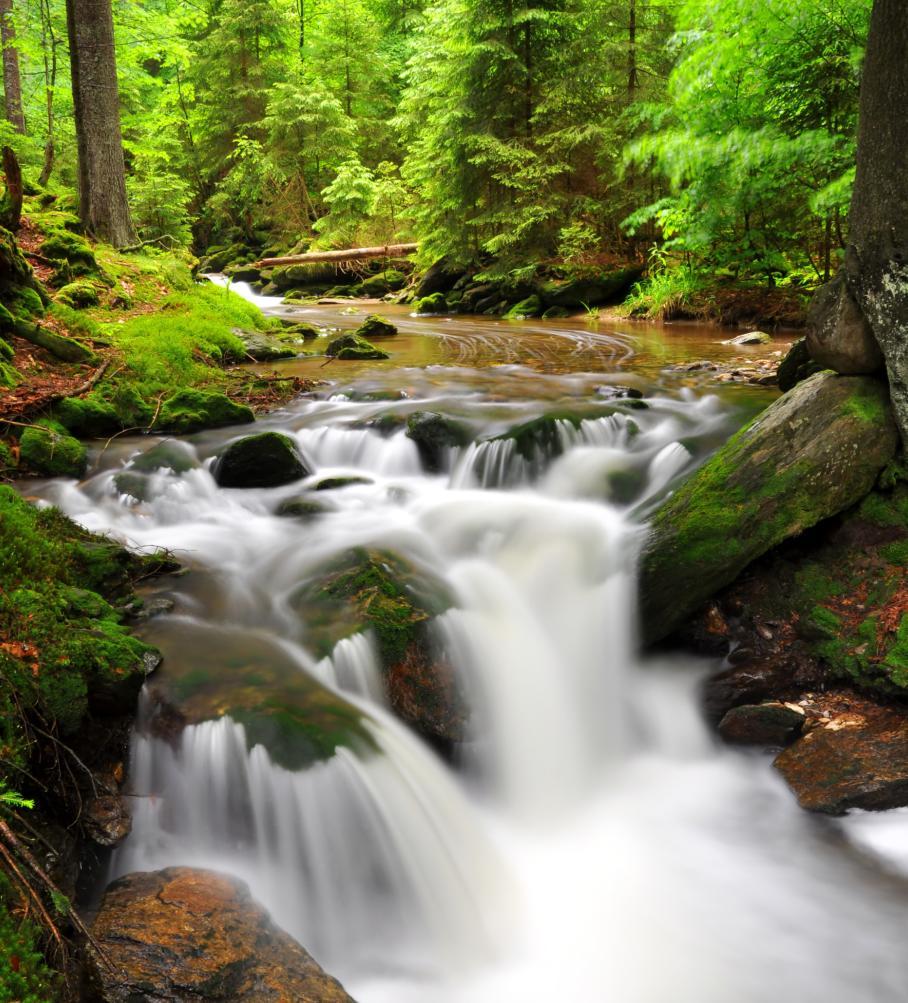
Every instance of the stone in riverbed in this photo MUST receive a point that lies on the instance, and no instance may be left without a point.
(810, 455)
(48, 450)
(352, 347)
(376, 328)
(263, 347)
(184, 934)
(750, 338)
(857, 759)
(769, 724)
(434, 434)
(266, 460)
(190, 411)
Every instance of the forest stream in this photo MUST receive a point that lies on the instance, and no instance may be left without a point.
(590, 839)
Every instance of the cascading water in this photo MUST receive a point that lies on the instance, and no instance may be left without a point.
(593, 844)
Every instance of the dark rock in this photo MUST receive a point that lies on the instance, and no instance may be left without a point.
(266, 460)
(107, 819)
(579, 293)
(797, 366)
(352, 347)
(182, 934)
(376, 328)
(839, 336)
(300, 508)
(388, 281)
(439, 278)
(333, 483)
(810, 455)
(772, 725)
(856, 759)
(434, 435)
(170, 454)
(474, 295)
(531, 306)
(556, 313)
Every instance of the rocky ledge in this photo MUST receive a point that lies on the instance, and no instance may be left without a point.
(180, 935)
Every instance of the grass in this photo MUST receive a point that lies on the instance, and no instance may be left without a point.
(665, 294)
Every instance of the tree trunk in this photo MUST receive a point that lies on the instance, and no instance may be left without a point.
(869, 297)
(11, 207)
(12, 81)
(351, 254)
(102, 174)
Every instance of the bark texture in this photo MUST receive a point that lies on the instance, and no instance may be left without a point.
(102, 176)
(12, 80)
(875, 275)
(11, 204)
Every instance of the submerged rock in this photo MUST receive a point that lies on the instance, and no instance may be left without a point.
(434, 434)
(300, 508)
(749, 338)
(352, 346)
(185, 934)
(857, 757)
(810, 455)
(266, 460)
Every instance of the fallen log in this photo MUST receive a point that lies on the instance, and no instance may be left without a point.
(351, 254)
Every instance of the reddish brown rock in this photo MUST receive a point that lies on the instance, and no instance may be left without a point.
(854, 756)
(182, 935)
(772, 725)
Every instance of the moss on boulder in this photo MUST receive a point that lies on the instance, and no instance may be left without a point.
(47, 449)
(266, 460)
(79, 295)
(812, 454)
(193, 410)
(376, 328)
(353, 347)
(433, 304)
(434, 434)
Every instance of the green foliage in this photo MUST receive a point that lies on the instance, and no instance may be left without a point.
(27, 979)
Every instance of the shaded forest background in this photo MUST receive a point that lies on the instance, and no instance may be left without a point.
(710, 140)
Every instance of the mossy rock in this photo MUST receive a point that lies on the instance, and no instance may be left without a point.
(297, 330)
(88, 417)
(556, 313)
(9, 376)
(434, 434)
(540, 439)
(263, 347)
(593, 291)
(71, 249)
(78, 295)
(388, 281)
(170, 454)
(266, 460)
(381, 592)
(334, 483)
(376, 328)
(529, 307)
(300, 507)
(353, 347)
(810, 455)
(218, 259)
(193, 410)
(66, 349)
(434, 304)
(47, 449)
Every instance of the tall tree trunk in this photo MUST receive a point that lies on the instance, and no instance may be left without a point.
(12, 81)
(632, 77)
(102, 174)
(11, 205)
(49, 47)
(867, 303)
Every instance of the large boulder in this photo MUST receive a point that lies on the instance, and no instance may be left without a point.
(183, 934)
(856, 757)
(587, 292)
(190, 411)
(48, 449)
(371, 590)
(839, 336)
(266, 460)
(810, 455)
(262, 347)
(434, 434)
(439, 278)
(375, 328)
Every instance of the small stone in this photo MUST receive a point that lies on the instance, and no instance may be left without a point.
(749, 338)
(769, 724)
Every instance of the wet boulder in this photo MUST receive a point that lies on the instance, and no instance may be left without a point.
(857, 757)
(389, 281)
(434, 304)
(372, 590)
(300, 507)
(434, 434)
(266, 460)
(772, 725)
(185, 934)
(169, 454)
(810, 455)
(749, 338)
(353, 347)
(376, 328)
(439, 278)
(190, 411)
(298, 330)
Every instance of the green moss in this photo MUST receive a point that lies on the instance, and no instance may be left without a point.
(192, 410)
(376, 327)
(88, 417)
(72, 251)
(435, 303)
(9, 376)
(351, 347)
(78, 295)
(529, 307)
(48, 449)
(27, 979)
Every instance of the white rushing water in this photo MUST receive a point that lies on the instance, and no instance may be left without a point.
(594, 844)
